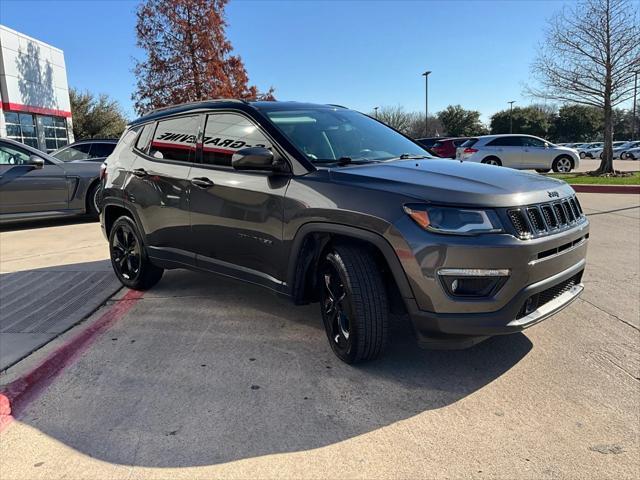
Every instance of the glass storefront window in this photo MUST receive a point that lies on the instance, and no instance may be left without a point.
(22, 128)
(55, 132)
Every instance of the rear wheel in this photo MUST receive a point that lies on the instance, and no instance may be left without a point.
(354, 304)
(129, 257)
(583, 155)
(562, 164)
(94, 196)
(624, 156)
(492, 161)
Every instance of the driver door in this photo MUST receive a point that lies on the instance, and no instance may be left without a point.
(28, 190)
(535, 153)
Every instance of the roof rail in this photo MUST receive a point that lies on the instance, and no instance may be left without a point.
(336, 105)
(169, 107)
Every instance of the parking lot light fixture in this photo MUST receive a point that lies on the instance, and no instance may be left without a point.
(634, 118)
(511, 115)
(426, 102)
(375, 109)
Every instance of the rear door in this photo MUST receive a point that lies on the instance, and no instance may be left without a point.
(508, 149)
(536, 153)
(236, 217)
(27, 190)
(158, 185)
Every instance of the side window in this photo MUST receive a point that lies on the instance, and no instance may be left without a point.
(532, 142)
(145, 137)
(505, 142)
(102, 150)
(175, 139)
(225, 134)
(75, 152)
(13, 156)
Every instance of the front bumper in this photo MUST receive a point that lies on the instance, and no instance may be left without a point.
(548, 270)
(430, 325)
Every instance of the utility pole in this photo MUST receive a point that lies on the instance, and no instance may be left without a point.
(375, 109)
(426, 102)
(511, 115)
(635, 101)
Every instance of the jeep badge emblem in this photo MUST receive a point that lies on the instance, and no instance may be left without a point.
(553, 194)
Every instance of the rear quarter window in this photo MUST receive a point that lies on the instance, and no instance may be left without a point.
(469, 143)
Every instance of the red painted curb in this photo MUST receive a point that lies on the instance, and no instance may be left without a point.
(15, 396)
(585, 188)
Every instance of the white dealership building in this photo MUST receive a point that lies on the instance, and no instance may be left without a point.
(35, 107)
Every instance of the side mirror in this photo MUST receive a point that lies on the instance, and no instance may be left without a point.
(255, 158)
(36, 162)
(546, 145)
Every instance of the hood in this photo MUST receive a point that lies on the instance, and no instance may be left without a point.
(454, 182)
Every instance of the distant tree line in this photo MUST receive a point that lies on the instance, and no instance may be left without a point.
(569, 123)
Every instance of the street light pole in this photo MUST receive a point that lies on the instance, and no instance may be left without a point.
(426, 102)
(375, 109)
(635, 100)
(511, 115)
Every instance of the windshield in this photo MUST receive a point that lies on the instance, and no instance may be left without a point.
(328, 136)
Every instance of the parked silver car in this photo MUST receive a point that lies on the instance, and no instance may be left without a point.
(621, 152)
(585, 148)
(632, 154)
(523, 152)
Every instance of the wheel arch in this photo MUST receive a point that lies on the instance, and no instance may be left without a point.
(313, 239)
(488, 157)
(112, 211)
(92, 183)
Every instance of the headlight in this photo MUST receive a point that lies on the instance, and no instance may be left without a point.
(456, 221)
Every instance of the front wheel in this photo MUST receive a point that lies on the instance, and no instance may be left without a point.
(624, 156)
(583, 155)
(354, 304)
(129, 257)
(562, 165)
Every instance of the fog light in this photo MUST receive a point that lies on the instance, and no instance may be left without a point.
(531, 304)
(460, 282)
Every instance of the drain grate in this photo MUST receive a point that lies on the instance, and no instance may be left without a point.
(51, 302)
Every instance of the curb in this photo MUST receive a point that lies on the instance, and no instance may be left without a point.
(587, 188)
(15, 396)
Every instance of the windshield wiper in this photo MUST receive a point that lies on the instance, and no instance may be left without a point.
(408, 156)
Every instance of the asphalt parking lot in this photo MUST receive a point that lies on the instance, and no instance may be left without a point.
(208, 378)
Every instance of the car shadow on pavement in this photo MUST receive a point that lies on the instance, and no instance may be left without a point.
(46, 223)
(205, 370)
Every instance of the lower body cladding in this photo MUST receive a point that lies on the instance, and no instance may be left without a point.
(478, 291)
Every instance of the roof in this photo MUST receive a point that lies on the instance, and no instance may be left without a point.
(228, 103)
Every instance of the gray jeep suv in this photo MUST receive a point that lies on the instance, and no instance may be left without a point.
(320, 203)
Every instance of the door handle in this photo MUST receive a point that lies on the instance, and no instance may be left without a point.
(202, 182)
(139, 172)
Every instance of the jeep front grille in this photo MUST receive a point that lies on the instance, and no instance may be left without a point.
(545, 218)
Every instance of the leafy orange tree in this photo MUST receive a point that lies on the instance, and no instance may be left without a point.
(188, 56)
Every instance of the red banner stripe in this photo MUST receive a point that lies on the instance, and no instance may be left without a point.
(17, 107)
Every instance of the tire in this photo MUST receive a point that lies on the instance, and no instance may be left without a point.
(543, 170)
(353, 303)
(624, 156)
(492, 161)
(129, 258)
(583, 155)
(601, 155)
(562, 164)
(94, 199)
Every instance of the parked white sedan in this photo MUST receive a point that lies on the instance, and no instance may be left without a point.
(524, 152)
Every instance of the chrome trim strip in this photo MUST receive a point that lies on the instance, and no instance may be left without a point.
(475, 272)
(549, 308)
(567, 250)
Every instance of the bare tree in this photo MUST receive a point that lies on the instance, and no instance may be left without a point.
(590, 53)
(396, 117)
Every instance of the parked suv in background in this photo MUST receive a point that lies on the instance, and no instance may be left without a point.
(446, 148)
(95, 150)
(323, 204)
(523, 152)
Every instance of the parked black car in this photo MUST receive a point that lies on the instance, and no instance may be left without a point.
(94, 149)
(323, 204)
(36, 185)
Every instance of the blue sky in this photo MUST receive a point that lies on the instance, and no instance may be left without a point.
(356, 53)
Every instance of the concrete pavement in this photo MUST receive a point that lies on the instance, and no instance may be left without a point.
(209, 378)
